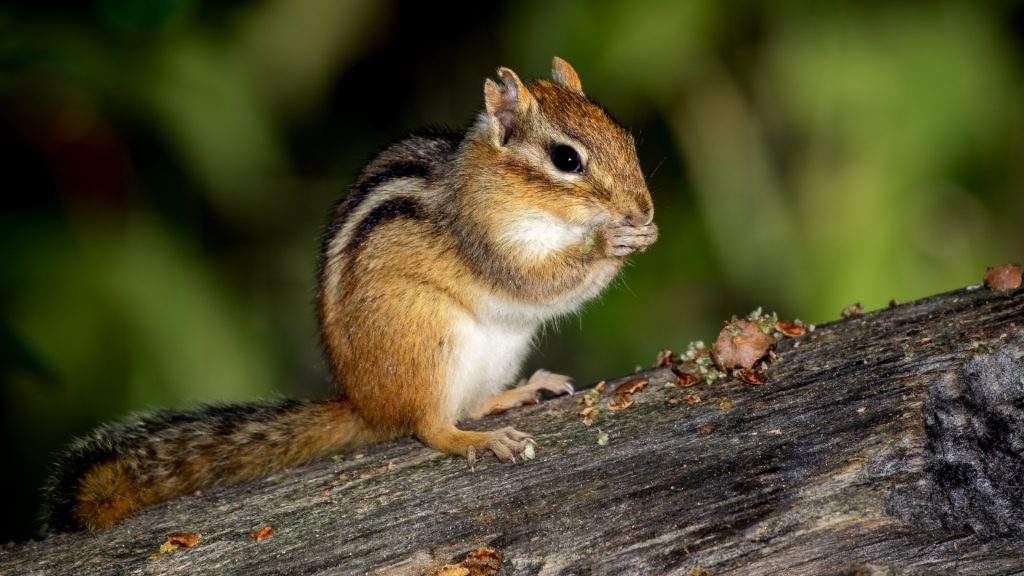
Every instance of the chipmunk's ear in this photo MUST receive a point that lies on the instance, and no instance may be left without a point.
(562, 73)
(505, 104)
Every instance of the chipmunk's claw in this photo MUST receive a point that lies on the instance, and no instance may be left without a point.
(504, 444)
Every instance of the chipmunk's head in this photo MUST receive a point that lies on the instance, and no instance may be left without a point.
(562, 150)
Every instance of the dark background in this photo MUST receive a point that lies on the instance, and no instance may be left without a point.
(167, 166)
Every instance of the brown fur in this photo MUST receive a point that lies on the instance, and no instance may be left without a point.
(423, 260)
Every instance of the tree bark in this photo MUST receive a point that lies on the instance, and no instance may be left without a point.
(888, 443)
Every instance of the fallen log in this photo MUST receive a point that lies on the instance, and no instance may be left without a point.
(890, 442)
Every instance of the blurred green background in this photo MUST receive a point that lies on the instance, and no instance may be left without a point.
(168, 165)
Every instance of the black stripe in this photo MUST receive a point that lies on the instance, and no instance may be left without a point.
(346, 205)
(393, 171)
(398, 207)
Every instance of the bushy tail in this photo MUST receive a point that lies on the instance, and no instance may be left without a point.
(123, 467)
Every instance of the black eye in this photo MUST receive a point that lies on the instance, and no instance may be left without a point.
(566, 159)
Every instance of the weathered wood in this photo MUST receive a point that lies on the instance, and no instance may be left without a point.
(889, 443)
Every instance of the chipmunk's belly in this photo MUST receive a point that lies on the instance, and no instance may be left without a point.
(487, 355)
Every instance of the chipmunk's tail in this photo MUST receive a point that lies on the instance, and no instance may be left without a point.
(123, 467)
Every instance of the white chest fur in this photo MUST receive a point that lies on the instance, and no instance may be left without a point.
(487, 354)
(489, 346)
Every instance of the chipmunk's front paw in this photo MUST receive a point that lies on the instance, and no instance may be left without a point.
(542, 380)
(504, 444)
(624, 239)
(525, 393)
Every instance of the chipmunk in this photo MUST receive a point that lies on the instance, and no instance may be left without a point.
(436, 271)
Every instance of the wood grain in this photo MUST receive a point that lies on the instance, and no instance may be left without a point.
(888, 443)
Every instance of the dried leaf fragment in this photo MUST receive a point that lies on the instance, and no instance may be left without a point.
(483, 561)
(791, 329)
(852, 310)
(631, 386)
(480, 562)
(1003, 278)
(263, 533)
(623, 394)
(177, 540)
(183, 539)
(624, 401)
(685, 379)
(666, 357)
(590, 397)
(589, 414)
(740, 345)
(693, 399)
(751, 376)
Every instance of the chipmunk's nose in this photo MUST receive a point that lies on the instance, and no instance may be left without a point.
(640, 218)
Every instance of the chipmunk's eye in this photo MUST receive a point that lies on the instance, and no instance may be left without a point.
(566, 158)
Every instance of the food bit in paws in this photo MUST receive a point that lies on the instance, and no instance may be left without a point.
(588, 241)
